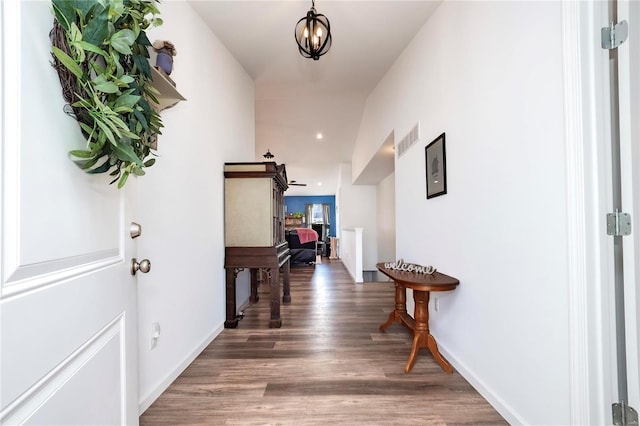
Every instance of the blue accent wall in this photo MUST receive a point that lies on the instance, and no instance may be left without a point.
(297, 203)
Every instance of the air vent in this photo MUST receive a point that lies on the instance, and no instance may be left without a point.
(409, 140)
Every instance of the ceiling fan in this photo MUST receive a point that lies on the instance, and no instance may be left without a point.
(295, 183)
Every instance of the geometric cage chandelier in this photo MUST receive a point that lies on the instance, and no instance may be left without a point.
(313, 34)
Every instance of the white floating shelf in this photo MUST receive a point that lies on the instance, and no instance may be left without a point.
(169, 95)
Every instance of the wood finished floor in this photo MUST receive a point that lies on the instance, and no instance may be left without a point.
(327, 364)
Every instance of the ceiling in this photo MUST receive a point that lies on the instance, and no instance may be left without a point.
(297, 98)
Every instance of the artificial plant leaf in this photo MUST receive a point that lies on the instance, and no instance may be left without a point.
(90, 163)
(126, 100)
(106, 131)
(135, 27)
(75, 33)
(122, 41)
(93, 48)
(97, 29)
(123, 180)
(102, 139)
(130, 134)
(146, 108)
(81, 103)
(83, 6)
(151, 8)
(97, 67)
(85, 127)
(123, 81)
(142, 64)
(141, 119)
(97, 146)
(103, 168)
(129, 90)
(115, 56)
(116, 8)
(106, 86)
(122, 109)
(79, 163)
(151, 90)
(65, 14)
(80, 56)
(117, 124)
(81, 153)
(138, 171)
(143, 40)
(136, 15)
(113, 126)
(150, 162)
(153, 98)
(67, 61)
(126, 153)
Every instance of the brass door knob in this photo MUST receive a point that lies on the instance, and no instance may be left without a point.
(143, 266)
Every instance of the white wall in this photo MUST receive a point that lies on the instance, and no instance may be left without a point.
(386, 218)
(181, 199)
(489, 74)
(351, 252)
(357, 209)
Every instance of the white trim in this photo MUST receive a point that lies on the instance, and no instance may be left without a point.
(30, 277)
(151, 396)
(505, 410)
(588, 183)
(576, 216)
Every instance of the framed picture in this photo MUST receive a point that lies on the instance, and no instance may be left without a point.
(436, 167)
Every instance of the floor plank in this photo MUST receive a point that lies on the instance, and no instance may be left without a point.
(327, 364)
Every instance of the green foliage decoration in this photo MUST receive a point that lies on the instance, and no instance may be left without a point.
(100, 51)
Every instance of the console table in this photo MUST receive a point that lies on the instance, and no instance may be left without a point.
(422, 285)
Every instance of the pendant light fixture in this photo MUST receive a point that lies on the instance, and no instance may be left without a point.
(313, 34)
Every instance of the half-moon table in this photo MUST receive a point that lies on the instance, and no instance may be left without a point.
(422, 285)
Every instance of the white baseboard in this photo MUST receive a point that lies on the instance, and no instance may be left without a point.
(146, 401)
(505, 410)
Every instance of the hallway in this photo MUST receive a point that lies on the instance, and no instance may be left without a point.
(327, 364)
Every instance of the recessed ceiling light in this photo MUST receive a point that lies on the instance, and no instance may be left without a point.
(319, 183)
(319, 136)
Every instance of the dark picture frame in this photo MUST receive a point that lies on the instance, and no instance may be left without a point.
(436, 167)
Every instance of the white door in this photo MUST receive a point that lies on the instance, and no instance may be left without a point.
(68, 334)
(629, 94)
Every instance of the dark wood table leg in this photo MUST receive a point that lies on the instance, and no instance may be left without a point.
(254, 297)
(273, 277)
(422, 337)
(400, 308)
(286, 286)
(232, 320)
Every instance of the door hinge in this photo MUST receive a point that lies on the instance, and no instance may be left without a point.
(624, 415)
(618, 224)
(614, 35)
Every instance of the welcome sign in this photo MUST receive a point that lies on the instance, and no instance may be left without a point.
(400, 265)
